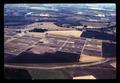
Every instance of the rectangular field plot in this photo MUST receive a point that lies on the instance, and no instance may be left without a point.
(71, 50)
(57, 37)
(93, 42)
(15, 48)
(26, 40)
(93, 47)
(56, 41)
(44, 45)
(9, 32)
(109, 49)
(91, 52)
(41, 50)
(80, 40)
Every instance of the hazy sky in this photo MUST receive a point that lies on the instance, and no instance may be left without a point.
(89, 5)
(78, 4)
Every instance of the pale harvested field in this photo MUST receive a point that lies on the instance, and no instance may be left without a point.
(66, 33)
(84, 77)
(87, 58)
(47, 25)
(69, 33)
(35, 34)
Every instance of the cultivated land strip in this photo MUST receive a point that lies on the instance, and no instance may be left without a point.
(58, 67)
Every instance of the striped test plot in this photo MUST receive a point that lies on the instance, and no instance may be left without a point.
(93, 47)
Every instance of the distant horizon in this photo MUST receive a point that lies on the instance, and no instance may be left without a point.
(91, 5)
